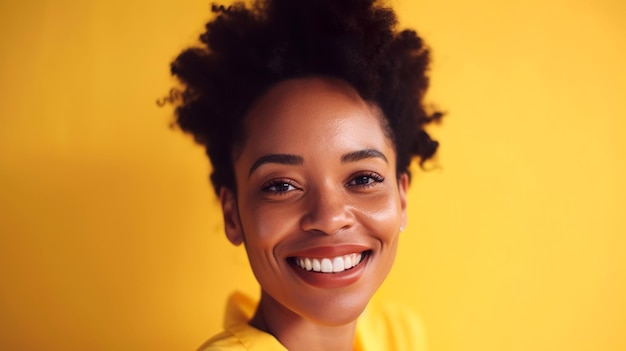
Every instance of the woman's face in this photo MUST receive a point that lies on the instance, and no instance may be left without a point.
(318, 205)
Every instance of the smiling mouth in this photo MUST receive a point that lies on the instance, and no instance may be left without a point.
(331, 264)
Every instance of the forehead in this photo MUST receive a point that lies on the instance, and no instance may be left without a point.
(312, 112)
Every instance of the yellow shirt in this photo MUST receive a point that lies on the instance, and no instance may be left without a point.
(388, 327)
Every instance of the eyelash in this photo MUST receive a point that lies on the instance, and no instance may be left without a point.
(267, 187)
(370, 178)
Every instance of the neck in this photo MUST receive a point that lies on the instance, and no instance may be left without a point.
(297, 333)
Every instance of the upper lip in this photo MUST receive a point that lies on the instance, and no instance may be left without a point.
(330, 251)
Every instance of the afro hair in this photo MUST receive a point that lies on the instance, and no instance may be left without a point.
(245, 50)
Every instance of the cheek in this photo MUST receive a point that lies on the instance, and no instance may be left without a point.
(264, 233)
(266, 226)
(383, 215)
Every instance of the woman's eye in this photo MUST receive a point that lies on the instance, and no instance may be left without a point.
(366, 179)
(278, 187)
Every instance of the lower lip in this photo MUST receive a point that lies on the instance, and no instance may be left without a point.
(332, 280)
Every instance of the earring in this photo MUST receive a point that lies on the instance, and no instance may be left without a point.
(401, 229)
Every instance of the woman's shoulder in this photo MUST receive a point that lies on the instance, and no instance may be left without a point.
(238, 334)
(242, 338)
(224, 341)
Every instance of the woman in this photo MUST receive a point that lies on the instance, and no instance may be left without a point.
(310, 112)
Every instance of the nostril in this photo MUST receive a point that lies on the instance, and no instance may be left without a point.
(327, 219)
(326, 210)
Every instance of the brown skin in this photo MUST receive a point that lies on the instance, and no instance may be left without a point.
(320, 200)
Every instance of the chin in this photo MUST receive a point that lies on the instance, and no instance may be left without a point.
(337, 310)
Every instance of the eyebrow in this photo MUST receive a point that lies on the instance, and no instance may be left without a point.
(283, 159)
(362, 155)
(295, 160)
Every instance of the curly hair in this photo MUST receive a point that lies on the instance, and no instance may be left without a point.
(247, 50)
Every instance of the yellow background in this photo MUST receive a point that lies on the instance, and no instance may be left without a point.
(111, 237)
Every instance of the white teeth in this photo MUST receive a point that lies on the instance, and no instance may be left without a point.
(329, 265)
(316, 265)
(338, 264)
(348, 261)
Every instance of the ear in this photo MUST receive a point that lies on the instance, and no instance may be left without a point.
(232, 224)
(403, 186)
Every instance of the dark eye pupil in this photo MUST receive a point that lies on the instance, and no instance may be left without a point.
(283, 187)
(362, 180)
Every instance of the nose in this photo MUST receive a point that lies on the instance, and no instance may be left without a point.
(327, 211)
